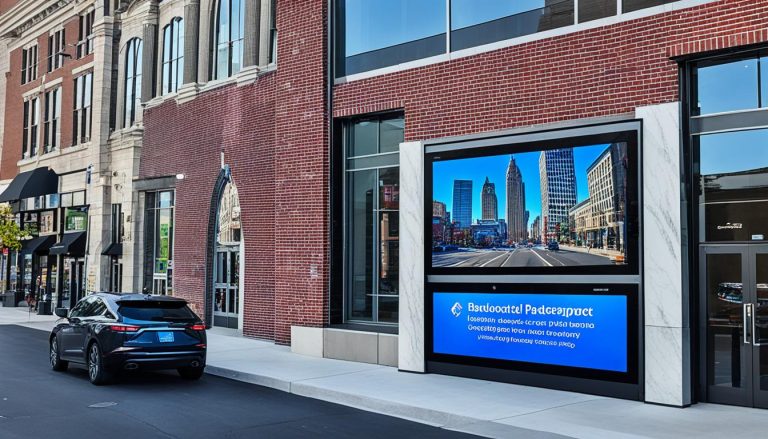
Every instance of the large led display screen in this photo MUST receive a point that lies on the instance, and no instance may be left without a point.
(587, 331)
(546, 208)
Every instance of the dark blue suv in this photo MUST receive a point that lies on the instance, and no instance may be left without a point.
(109, 333)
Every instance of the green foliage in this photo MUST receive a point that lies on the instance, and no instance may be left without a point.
(10, 232)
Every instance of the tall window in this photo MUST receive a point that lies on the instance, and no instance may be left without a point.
(29, 64)
(85, 34)
(372, 223)
(159, 242)
(56, 46)
(132, 102)
(229, 38)
(51, 120)
(173, 55)
(273, 32)
(31, 123)
(81, 119)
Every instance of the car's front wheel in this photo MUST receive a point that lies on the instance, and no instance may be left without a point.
(191, 373)
(57, 363)
(97, 374)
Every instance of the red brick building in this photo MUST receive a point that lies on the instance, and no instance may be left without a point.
(283, 178)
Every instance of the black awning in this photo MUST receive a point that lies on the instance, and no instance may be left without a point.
(114, 249)
(40, 244)
(71, 244)
(34, 183)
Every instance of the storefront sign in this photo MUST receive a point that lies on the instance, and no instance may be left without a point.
(584, 331)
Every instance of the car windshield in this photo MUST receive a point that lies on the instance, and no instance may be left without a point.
(157, 311)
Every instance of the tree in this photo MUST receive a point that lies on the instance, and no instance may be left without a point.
(10, 232)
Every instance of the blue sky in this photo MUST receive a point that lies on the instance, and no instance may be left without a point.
(495, 168)
(733, 152)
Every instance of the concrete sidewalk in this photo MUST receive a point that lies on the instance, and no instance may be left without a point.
(473, 406)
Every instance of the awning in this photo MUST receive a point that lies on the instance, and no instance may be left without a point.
(114, 249)
(34, 183)
(71, 244)
(40, 244)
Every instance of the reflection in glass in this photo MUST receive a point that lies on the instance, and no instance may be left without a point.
(634, 5)
(761, 318)
(360, 243)
(373, 24)
(364, 138)
(734, 185)
(392, 133)
(724, 320)
(593, 9)
(727, 86)
(477, 22)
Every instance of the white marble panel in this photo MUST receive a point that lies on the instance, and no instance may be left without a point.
(667, 365)
(664, 301)
(411, 331)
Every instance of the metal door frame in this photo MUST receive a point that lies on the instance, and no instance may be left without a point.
(750, 394)
(227, 319)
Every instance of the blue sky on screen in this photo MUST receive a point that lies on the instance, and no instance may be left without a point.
(495, 168)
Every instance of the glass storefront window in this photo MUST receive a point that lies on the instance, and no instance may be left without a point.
(159, 239)
(727, 86)
(474, 22)
(375, 34)
(734, 185)
(75, 219)
(372, 228)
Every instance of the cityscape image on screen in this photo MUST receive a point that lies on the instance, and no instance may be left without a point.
(548, 208)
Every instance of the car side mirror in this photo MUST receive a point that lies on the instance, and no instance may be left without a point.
(61, 312)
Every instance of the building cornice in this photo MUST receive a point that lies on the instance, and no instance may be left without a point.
(29, 14)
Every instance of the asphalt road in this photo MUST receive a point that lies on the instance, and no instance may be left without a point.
(518, 257)
(36, 402)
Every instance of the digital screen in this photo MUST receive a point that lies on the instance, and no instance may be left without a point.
(548, 207)
(574, 330)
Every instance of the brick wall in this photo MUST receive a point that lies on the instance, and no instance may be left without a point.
(598, 72)
(14, 103)
(272, 135)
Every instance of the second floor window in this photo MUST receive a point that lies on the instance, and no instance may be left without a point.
(52, 120)
(81, 119)
(132, 102)
(29, 64)
(228, 48)
(85, 37)
(55, 49)
(31, 123)
(173, 55)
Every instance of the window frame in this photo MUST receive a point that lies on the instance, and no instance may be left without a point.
(82, 108)
(390, 160)
(52, 120)
(174, 61)
(29, 69)
(31, 127)
(230, 42)
(85, 34)
(56, 44)
(132, 68)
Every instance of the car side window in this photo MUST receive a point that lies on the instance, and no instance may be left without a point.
(97, 308)
(77, 311)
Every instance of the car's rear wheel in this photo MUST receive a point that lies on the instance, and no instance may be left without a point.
(97, 374)
(57, 363)
(191, 373)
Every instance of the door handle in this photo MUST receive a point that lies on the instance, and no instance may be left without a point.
(755, 337)
(748, 323)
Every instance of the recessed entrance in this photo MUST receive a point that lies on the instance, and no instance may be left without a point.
(734, 283)
(226, 277)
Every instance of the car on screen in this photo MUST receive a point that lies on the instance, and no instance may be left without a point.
(553, 246)
(109, 333)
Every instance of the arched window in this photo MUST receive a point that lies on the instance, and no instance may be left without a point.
(228, 48)
(132, 102)
(173, 55)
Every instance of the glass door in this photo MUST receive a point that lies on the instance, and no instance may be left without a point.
(734, 283)
(759, 262)
(226, 287)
